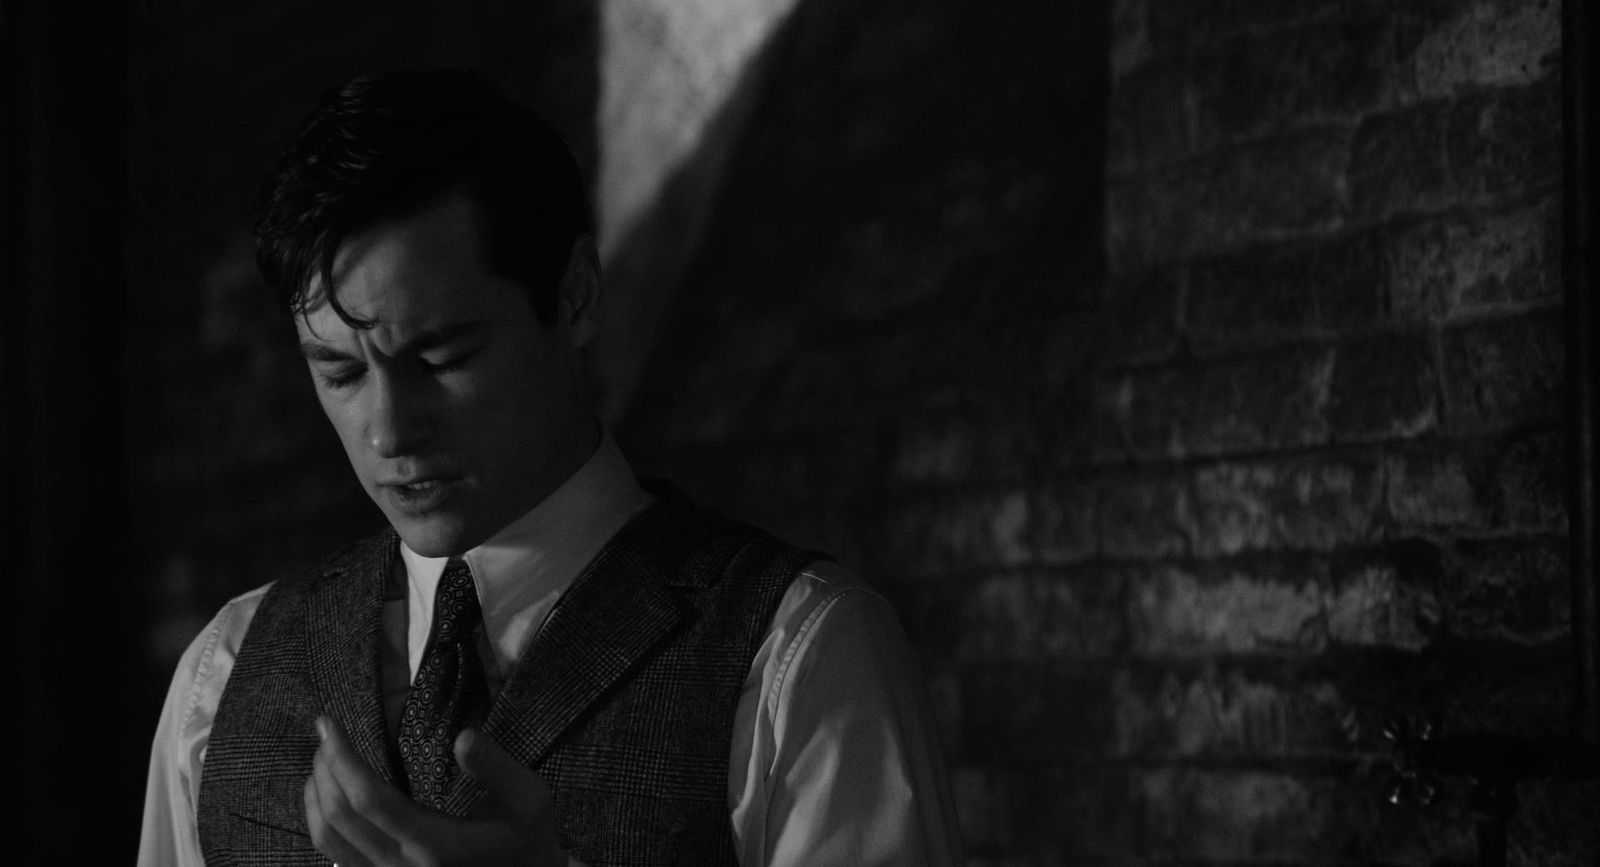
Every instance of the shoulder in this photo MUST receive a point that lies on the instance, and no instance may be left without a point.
(690, 546)
(227, 627)
(203, 670)
(362, 554)
(290, 593)
(824, 588)
(206, 664)
(830, 615)
(218, 644)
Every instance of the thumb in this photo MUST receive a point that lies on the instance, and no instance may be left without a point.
(508, 782)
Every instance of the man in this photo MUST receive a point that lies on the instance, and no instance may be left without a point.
(542, 661)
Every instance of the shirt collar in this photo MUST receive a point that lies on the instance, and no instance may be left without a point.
(537, 556)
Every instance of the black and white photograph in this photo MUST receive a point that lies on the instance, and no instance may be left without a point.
(801, 433)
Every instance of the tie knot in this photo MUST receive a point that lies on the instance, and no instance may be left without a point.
(455, 603)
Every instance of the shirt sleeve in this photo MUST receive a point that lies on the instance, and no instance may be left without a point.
(851, 766)
(169, 835)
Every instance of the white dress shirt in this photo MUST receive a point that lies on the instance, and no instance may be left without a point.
(835, 760)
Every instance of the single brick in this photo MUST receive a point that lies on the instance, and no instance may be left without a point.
(1518, 257)
(1532, 481)
(1288, 184)
(1022, 617)
(988, 438)
(1051, 813)
(1441, 488)
(708, 404)
(939, 535)
(1149, 121)
(1506, 372)
(1130, 36)
(1430, 155)
(1176, 27)
(1246, 815)
(1070, 424)
(832, 525)
(1100, 417)
(1513, 590)
(1369, 605)
(1398, 162)
(1079, 814)
(1256, 191)
(1506, 140)
(1145, 517)
(809, 391)
(950, 239)
(936, 451)
(1035, 712)
(1140, 317)
(841, 465)
(1515, 483)
(983, 808)
(1175, 611)
(1303, 503)
(1064, 521)
(1324, 72)
(1270, 401)
(959, 358)
(1458, 263)
(1450, 47)
(1384, 388)
(1222, 712)
(1278, 292)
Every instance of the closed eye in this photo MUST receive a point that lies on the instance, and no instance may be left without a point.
(455, 362)
(341, 378)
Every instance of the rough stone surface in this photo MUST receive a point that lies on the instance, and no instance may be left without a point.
(1194, 437)
(1506, 371)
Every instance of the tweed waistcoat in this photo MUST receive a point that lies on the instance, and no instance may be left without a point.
(624, 702)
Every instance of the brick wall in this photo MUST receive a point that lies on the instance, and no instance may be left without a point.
(1189, 375)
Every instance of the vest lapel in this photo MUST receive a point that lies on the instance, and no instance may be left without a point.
(344, 621)
(613, 615)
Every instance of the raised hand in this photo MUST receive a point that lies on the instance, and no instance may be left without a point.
(358, 819)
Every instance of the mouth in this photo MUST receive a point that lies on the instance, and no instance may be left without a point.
(420, 495)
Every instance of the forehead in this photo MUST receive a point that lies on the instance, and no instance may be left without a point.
(412, 273)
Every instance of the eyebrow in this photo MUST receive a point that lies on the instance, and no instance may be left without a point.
(422, 341)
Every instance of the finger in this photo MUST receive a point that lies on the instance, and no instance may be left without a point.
(528, 814)
(355, 802)
(510, 783)
(324, 837)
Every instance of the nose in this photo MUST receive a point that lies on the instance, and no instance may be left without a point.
(397, 418)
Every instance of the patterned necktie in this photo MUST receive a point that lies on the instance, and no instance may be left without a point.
(449, 693)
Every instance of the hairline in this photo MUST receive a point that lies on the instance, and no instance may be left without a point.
(304, 300)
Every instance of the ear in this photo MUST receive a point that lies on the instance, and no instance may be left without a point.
(579, 306)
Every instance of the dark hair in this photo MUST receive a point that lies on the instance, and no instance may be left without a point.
(387, 146)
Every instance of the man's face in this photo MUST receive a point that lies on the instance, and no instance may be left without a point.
(458, 409)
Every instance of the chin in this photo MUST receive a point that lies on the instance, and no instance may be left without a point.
(434, 537)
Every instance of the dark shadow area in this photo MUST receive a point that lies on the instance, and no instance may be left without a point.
(906, 240)
(165, 449)
(905, 204)
(76, 616)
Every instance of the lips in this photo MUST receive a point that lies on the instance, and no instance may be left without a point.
(419, 494)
